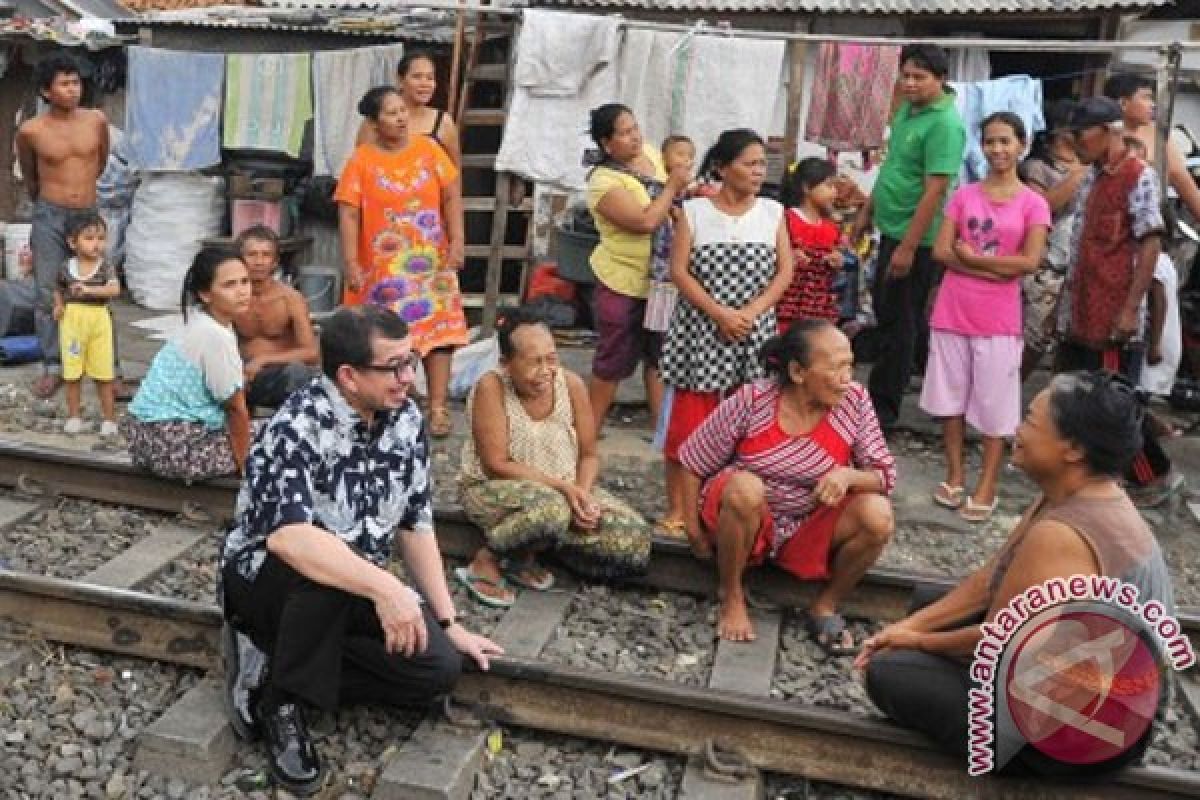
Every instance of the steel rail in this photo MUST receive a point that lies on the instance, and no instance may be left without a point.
(773, 735)
(883, 595)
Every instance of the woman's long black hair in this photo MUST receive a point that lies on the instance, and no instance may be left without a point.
(201, 274)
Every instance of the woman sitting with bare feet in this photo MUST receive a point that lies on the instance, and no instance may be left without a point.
(529, 472)
(795, 471)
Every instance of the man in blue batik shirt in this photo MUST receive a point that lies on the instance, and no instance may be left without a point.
(338, 477)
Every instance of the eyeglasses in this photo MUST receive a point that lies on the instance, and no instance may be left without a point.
(398, 369)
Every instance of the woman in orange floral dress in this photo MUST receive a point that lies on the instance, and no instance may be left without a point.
(400, 216)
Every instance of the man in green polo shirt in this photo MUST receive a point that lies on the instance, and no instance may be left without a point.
(925, 153)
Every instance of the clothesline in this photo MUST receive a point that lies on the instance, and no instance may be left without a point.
(1066, 76)
(704, 28)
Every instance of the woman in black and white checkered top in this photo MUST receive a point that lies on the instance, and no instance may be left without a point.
(731, 262)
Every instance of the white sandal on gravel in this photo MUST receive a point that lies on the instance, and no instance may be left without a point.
(977, 512)
(948, 496)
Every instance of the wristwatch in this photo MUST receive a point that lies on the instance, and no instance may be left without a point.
(448, 622)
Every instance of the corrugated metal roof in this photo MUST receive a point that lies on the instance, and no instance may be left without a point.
(37, 9)
(862, 6)
(382, 6)
(400, 22)
(176, 5)
(342, 4)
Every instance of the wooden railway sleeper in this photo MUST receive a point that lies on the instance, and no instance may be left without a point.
(726, 763)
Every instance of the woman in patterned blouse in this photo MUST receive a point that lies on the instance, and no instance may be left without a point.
(529, 472)
(795, 470)
(731, 262)
(400, 218)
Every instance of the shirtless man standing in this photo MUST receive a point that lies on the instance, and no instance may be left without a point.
(275, 335)
(62, 153)
(1135, 95)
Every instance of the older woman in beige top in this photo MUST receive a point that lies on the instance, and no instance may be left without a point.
(529, 472)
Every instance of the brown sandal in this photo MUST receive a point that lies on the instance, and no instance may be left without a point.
(441, 424)
(671, 529)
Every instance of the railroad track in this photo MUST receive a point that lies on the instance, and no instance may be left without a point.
(774, 735)
(883, 595)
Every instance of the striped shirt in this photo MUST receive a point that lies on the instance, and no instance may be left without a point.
(743, 433)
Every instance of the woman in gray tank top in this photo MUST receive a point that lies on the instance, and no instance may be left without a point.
(1078, 436)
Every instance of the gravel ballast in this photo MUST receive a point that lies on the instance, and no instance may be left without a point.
(637, 632)
(72, 537)
(69, 724)
(539, 766)
(805, 674)
(192, 576)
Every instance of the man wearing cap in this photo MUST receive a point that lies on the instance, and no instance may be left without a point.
(1054, 171)
(1114, 247)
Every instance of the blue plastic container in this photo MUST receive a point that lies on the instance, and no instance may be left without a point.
(19, 350)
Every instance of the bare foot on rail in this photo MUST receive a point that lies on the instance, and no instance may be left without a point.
(733, 620)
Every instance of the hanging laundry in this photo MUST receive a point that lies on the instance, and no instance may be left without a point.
(557, 62)
(268, 101)
(724, 80)
(1019, 94)
(340, 78)
(851, 96)
(650, 80)
(173, 109)
(969, 64)
(545, 131)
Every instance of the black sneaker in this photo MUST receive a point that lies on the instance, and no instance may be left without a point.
(245, 666)
(293, 760)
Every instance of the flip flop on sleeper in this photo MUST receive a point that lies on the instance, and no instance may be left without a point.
(828, 632)
(517, 573)
(471, 582)
(671, 529)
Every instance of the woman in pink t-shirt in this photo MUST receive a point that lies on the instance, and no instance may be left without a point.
(995, 232)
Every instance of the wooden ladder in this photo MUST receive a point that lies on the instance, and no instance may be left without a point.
(512, 196)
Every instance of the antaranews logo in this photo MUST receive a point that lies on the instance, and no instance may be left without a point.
(1073, 667)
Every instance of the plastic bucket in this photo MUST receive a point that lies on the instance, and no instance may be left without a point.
(574, 252)
(321, 287)
(18, 257)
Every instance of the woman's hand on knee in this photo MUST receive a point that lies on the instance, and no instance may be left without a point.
(585, 513)
(834, 486)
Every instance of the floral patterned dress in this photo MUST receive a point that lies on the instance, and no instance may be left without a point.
(402, 241)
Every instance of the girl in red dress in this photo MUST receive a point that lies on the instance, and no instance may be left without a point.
(809, 194)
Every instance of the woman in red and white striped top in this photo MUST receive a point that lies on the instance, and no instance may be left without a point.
(795, 470)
